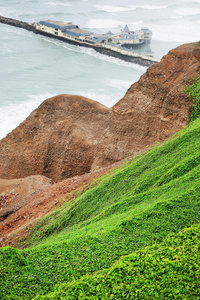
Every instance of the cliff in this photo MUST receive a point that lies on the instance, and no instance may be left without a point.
(57, 140)
(72, 135)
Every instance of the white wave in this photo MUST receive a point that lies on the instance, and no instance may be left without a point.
(5, 11)
(37, 99)
(12, 115)
(186, 11)
(152, 7)
(108, 8)
(189, 1)
(111, 59)
(102, 98)
(6, 48)
(103, 23)
(93, 53)
(176, 17)
(134, 25)
(112, 24)
(119, 84)
(53, 3)
(8, 29)
(16, 31)
(10, 12)
(183, 32)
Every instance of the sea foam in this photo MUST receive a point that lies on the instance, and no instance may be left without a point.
(105, 23)
(187, 11)
(108, 8)
(13, 114)
(53, 3)
(119, 84)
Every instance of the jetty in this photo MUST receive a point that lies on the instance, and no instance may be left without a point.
(80, 37)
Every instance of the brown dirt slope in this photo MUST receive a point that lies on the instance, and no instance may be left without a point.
(24, 200)
(71, 135)
(15, 193)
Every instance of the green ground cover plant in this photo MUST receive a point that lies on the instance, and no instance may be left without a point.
(194, 92)
(169, 270)
(135, 206)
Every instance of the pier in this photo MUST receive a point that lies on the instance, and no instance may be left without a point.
(110, 50)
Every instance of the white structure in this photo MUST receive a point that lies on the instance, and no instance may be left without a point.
(65, 30)
(72, 32)
(125, 38)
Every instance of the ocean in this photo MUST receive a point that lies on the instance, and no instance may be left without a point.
(34, 68)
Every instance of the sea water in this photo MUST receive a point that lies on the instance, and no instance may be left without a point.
(34, 68)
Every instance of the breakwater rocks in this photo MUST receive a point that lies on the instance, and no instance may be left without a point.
(125, 55)
(17, 23)
(109, 50)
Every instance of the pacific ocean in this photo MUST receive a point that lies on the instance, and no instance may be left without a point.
(34, 68)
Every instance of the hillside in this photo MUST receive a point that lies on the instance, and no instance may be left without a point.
(126, 231)
(67, 135)
(148, 208)
(168, 270)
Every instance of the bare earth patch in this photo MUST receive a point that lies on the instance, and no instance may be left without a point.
(24, 200)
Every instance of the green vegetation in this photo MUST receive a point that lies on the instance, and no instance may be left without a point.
(165, 270)
(194, 92)
(129, 211)
(133, 235)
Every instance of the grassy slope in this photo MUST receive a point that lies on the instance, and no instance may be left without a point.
(137, 205)
(169, 270)
(194, 91)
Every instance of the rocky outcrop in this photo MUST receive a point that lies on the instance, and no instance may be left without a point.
(15, 193)
(57, 140)
(156, 106)
(72, 135)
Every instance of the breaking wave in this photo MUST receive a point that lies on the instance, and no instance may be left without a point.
(110, 9)
(57, 3)
(13, 114)
(118, 83)
(186, 11)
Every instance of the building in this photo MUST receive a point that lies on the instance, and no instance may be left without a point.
(72, 33)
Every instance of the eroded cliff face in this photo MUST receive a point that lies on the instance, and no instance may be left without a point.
(156, 106)
(57, 140)
(72, 135)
